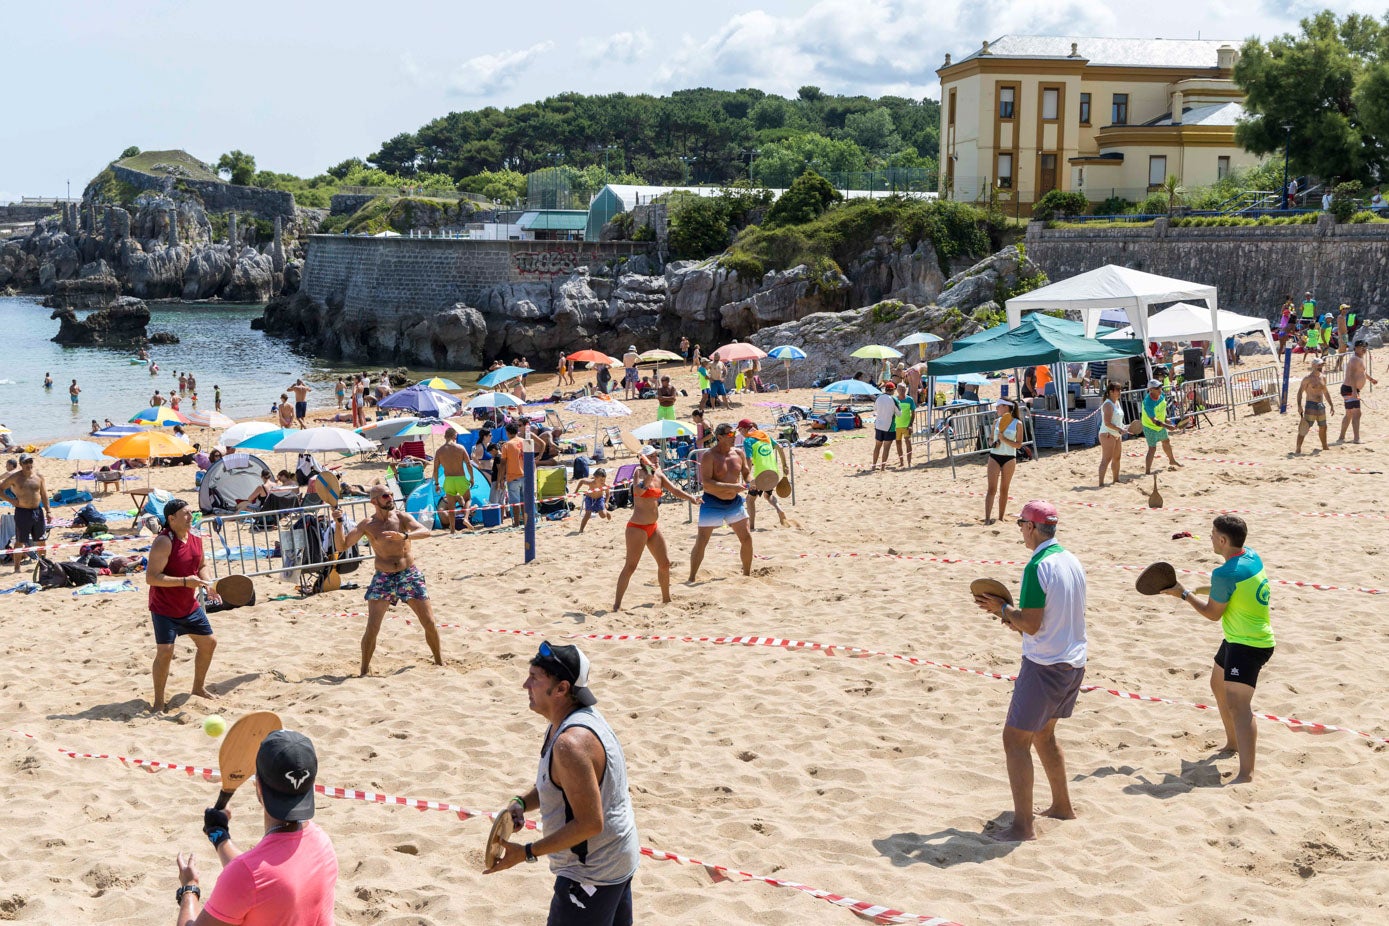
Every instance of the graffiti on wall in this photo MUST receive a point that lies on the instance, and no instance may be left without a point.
(553, 263)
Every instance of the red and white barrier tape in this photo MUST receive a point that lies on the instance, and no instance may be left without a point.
(876, 913)
(1371, 516)
(833, 649)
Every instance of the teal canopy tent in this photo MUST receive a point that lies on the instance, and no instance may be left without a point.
(1033, 343)
(1050, 322)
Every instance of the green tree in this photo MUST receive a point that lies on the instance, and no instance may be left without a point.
(130, 152)
(873, 131)
(506, 186)
(1313, 82)
(239, 167)
(780, 163)
(807, 197)
(400, 155)
(698, 227)
(343, 168)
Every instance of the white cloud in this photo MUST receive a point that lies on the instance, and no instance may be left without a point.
(866, 46)
(487, 74)
(620, 47)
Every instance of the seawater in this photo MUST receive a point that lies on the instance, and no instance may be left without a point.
(216, 344)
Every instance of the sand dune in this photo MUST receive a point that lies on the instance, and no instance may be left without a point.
(861, 775)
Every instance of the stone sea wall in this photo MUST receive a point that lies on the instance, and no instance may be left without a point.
(379, 278)
(1254, 268)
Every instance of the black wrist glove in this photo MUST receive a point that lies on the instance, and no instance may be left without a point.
(217, 826)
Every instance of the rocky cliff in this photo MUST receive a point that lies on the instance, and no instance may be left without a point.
(162, 248)
(122, 323)
(634, 300)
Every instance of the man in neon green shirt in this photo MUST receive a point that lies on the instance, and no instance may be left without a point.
(906, 412)
(762, 454)
(1239, 599)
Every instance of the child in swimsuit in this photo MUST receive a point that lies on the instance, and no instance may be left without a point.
(596, 492)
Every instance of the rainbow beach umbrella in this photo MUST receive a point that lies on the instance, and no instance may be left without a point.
(158, 416)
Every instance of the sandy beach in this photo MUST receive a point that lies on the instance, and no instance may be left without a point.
(852, 773)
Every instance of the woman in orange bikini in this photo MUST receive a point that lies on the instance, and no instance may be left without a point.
(643, 533)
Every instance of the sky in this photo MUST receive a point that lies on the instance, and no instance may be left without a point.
(304, 84)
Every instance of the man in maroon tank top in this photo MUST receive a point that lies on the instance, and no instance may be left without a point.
(176, 572)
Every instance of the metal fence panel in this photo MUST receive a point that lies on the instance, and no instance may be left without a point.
(1249, 387)
(232, 543)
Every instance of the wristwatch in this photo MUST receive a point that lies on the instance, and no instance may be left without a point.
(1184, 594)
(530, 853)
(187, 889)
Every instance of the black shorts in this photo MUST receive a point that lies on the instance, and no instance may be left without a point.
(30, 526)
(1242, 663)
(1003, 459)
(887, 436)
(572, 904)
(301, 409)
(169, 629)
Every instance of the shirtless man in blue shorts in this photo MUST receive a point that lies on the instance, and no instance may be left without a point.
(397, 577)
(723, 472)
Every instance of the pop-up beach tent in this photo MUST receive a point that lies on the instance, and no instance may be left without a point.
(1112, 287)
(1035, 343)
(1186, 322)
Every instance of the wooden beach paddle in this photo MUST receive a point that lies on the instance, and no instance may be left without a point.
(981, 587)
(1156, 579)
(783, 487)
(767, 481)
(502, 828)
(1155, 497)
(237, 758)
(236, 591)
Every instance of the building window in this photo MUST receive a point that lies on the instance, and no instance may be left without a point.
(1120, 116)
(1085, 109)
(1006, 102)
(1157, 169)
(1222, 167)
(951, 114)
(1051, 102)
(1005, 171)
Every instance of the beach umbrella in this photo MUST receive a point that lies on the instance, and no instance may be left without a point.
(422, 400)
(265, 440)
(969, 379)
(502, 375)
(158, 416)
(75, 450)
(118, 430)
(591, 356)
(147, 445)
(738, 351)
(657, 355)
(439, 382)
(4, 430)
(210, 419)
(493, 400)
(920, 339)
(786, 353)
(391, 427)
(598, 406)
(239, 432)
(324, 440)
(663, 430)
(853, 387)
(876, 352)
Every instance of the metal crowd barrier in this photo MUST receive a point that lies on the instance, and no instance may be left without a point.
(233, 543)
(1334, 376)
(967, 434)
(1249, 387)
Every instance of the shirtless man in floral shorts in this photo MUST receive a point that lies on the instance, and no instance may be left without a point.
(397, 577)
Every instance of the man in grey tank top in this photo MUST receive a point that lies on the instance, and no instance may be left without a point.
(580, 790)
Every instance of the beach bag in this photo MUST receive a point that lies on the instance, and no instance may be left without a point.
(621, 497)
(48, 574)
(78, 574)
(88, 516)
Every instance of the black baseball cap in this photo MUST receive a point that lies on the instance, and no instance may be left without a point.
(286, 767)
(568, 664)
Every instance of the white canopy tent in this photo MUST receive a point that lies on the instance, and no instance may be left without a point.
(1186, 322)
(1112, 287)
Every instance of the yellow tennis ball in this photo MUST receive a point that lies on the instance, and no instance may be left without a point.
(829, 454)
(214, 725)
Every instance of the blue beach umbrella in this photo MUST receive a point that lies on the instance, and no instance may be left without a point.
(266, 440)
(75, 450)
(786, 353)
(853, 387)
(493, 400)
(422, 401)
(502, 375)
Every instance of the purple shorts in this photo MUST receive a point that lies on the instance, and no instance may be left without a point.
(1042, 694)
(398, 586)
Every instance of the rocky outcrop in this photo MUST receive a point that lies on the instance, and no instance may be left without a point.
(968, 299)
(163, 249)
(122, 323)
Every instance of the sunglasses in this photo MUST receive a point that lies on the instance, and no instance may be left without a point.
(547, 652)
(385, 497)
(1022, 521)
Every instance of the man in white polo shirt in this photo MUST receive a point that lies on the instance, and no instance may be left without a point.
(884, 424)
(1051, 618)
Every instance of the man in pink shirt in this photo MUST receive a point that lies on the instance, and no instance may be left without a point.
(289, 877)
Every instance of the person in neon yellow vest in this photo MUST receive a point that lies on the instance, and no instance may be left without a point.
(1239, 599)
(1309, 312)
(762, 454)
(1155, 425)
(906, 411)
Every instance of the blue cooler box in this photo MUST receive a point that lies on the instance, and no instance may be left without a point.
(492, 517)
(844, 421)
